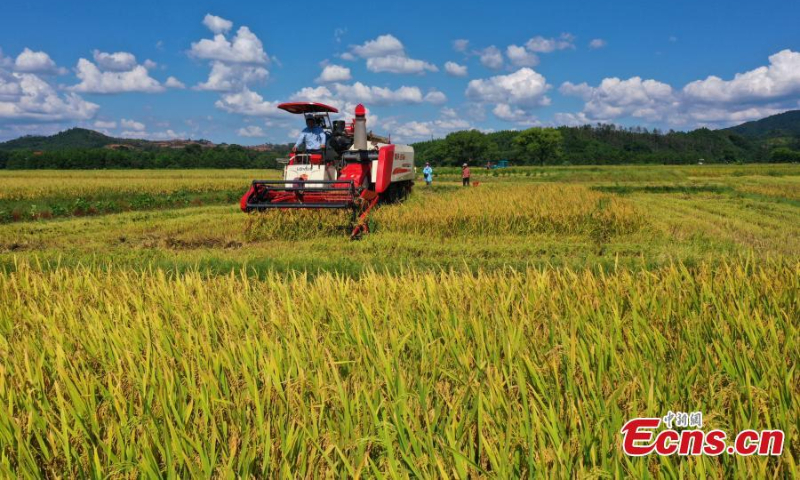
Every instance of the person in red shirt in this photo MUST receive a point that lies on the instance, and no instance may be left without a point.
(465, 175)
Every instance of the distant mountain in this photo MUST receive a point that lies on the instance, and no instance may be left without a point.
(72, 138)
(82, 138)
(785, 124)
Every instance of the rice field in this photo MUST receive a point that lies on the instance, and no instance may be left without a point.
(46, 194)
(38, 184)
(501, 331)
(521, 210)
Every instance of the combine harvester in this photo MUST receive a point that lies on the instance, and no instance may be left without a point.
(356, 170)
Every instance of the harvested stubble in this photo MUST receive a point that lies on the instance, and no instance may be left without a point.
(506, 374)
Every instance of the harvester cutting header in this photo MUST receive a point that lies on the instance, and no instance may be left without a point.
(352, 169)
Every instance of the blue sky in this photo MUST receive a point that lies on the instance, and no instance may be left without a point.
(211, 70)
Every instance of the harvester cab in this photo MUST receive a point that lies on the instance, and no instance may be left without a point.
(354, 170)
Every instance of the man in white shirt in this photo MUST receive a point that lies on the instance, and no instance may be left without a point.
(313, 137)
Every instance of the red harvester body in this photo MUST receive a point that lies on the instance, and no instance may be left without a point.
(354, 170)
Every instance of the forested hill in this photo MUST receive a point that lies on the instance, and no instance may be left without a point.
(785, 124)
(72, 138)
(81, 138)
(773, 139)
(80, 148)
(190, 156)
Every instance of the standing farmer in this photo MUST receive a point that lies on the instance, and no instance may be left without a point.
(427, 172)
(465, 175)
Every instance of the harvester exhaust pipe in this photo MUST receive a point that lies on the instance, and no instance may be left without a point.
(360, 128)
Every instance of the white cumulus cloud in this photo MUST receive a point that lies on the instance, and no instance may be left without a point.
(436, 97)
(750, 95)
(132, 125)
(491, 57)
(252, 131)
(780, 79)
(387, 54)
(115, 62)
(5, 62)
(508, 113)
(173, 82)
(597, 43)
(334, 73)
(572, 119)
(616, 98)
(9, 86)
(35, 62)
(95, 80)
(360, 93)
(228, 77)
(424, 130)
(448, 112)
(523, 88)
(236, 63)
(521, 57)
(541, 44)
(345, 97)
(244, 47)
(380, 47)
(456, 70)
(460, 45)
(399, 64)
(247, 102)
(319, 94)
(722, 116)
(105, 124)
(168, 134)
(217, 24)
(25, 96)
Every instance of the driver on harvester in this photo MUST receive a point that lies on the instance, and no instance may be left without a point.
(313, 137)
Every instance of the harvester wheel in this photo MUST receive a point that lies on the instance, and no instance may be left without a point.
(396, 193)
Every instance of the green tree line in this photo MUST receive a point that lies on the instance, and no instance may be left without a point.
(601, 145)
(191, 156)
(587, 145)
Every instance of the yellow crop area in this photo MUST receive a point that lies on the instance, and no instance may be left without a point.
(519, 210)
(44, 183)
(501, 331)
